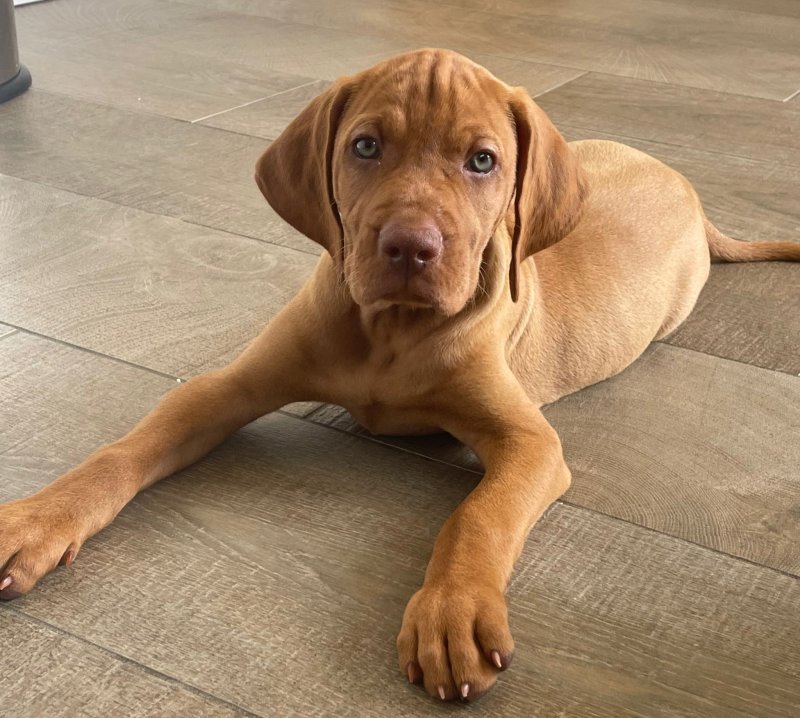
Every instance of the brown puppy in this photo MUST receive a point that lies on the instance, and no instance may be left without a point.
(430, 184)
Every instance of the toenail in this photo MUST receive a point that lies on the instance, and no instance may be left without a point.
(465, 690)
(6, 582)
(411, 672)
(441, 692)
(496, 659)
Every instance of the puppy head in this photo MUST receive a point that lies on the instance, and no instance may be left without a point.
(406, 171)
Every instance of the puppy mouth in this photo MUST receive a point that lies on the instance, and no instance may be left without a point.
(404, 297)
(410, 303)
(409, 297)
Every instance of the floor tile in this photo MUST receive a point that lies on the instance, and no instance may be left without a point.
(750, 313)
(748, 53)
(75, 402)
(107, 70)
(155, 291)
(50, 673)
(268, 44)
(106, 17)
(199, 174)
(697, 119)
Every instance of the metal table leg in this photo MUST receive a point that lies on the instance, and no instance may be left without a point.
(14, 78)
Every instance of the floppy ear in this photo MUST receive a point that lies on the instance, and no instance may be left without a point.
(550, 187)
(295, 173)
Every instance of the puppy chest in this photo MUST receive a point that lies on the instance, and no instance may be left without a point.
(389, 388)
(393, 402)
(378, 418)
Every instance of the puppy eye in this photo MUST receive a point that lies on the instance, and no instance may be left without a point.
(481, 162)
(366, 148)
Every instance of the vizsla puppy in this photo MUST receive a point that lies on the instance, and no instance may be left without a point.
(476, 267)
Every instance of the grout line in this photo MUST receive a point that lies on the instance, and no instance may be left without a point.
(314, 252)
(229, 109)
(793, 95)
(376, 440)
(668, 343)
(98, 102)
(253, 102)
(633, 78)
(165, 677)
(110, 357)
(682, 86)
(673, 537)
(139, 111)
(561, 84)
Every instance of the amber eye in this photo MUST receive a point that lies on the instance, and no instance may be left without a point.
(481, 162)
(366, 148)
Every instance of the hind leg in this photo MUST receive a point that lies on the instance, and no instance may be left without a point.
(692, 280)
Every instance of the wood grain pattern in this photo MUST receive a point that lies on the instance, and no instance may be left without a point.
(536, 77)
(198, 174)
(748, 53)
(788, 8)
(551, 7)
(694, 447)
(266, 43)
(151, 290)
(107, 17)
(748, 313)
(92, 49)
(104, 69)
(697, 119)
(683, 443)
(75, 402)
(75, 678)
(121, 64)
(273, 575)
(49, 673)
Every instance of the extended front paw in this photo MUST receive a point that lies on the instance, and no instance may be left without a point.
(455, 639)
(35, 537)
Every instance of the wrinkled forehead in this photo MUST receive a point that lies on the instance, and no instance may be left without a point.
(431, 95)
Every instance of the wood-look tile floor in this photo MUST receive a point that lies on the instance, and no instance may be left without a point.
(270, 578)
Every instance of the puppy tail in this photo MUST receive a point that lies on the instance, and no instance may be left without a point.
(726, 249)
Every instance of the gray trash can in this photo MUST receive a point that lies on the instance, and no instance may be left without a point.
(14, 78)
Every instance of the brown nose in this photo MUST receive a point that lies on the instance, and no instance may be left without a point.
(410, 248)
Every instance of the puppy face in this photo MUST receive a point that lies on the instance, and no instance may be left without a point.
(423, 171)
(405, 172)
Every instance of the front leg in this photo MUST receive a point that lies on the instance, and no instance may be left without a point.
(41, 531)
(455, 636)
